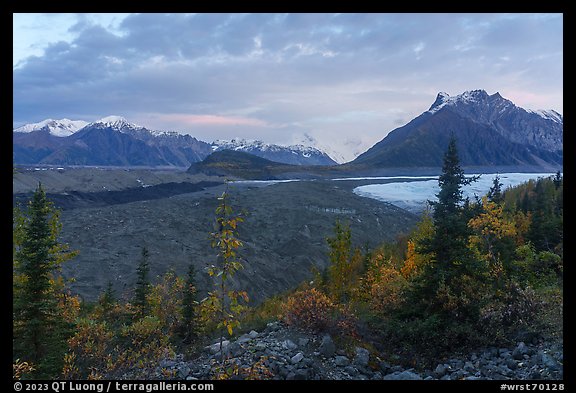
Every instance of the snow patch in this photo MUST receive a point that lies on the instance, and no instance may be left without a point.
(548, 115)
(117, 123)
(59, 128)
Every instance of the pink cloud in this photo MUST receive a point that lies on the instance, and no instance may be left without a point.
(530, 100)
(211, 120)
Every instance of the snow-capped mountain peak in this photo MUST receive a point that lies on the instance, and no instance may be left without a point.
(118, 123)
(479, 101)
(468, 97)
(293, 154)
(60, 128)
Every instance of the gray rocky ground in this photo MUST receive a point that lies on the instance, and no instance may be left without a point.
(284, 232)
(289, 355)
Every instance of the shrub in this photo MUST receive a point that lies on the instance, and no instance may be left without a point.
(518, 307)
(310, 310)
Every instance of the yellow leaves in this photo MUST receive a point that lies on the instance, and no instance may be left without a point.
(492, 223)
(386, 288)
(410, 265)
(20, 369)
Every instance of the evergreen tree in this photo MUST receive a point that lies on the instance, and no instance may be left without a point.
(558, 179)
(495, 192)
(108, 298)
(40, 329)
(546, 228)
(142, 285)
(450, 239)
(189, 306)
(340, 253)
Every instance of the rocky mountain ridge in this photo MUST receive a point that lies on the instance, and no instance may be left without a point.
(113, 141)
(490, 131)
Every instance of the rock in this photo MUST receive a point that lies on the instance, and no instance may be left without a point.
(402, 376)
(260, 346)
(289, 345)
(455, 364)
(341, 361)
(520, 351)
(253, 334)
(396, 369)
(362, 357)
(511, 364)
(298, 375)
(167, 363)
(376, 376)
(384, 367)
(365, 371)
(549, 362)
(243, 339)
(234, 349)
(472, 378)
(535, 374)
(440, 370)
(327, 347)
(215, 348)
(183, 372)
(429, 378)
(352, 371)
(296, 358)
(468, 366)
(273, 326)
(302, 342)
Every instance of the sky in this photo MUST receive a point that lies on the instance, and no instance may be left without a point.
(340, 81)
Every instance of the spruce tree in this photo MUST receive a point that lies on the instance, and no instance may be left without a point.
(449, 243)
(451, 268)
(107, 299)
(495, 192)
(340, 253)
(189, 305)
(142, 285)
(39, 329)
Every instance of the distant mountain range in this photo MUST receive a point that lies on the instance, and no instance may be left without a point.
(113, 141)
(490, 131)
(294, 155)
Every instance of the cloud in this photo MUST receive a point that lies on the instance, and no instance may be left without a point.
(275, 74)
(211, 120)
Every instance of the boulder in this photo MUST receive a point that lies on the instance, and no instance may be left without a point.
(362, 357)
(341, 361)
(327, 346)
(520, 350)
(296, 358)
(402, 376)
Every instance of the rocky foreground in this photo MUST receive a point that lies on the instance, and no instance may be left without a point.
(286, 354)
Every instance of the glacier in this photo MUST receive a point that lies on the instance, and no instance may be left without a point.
(412, 193)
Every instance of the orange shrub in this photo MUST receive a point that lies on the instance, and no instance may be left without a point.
(309, 309)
